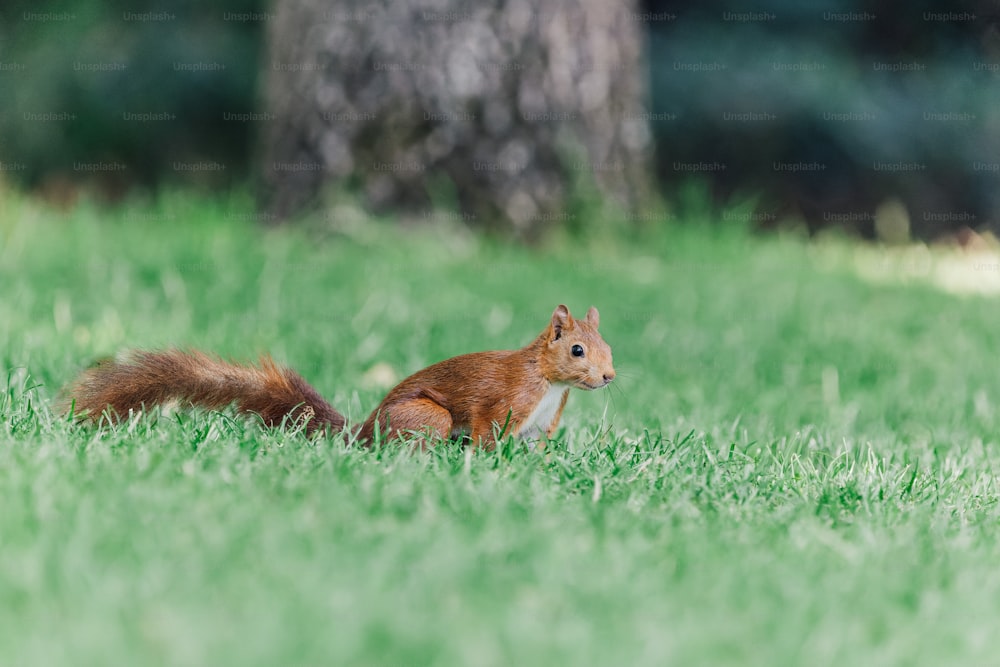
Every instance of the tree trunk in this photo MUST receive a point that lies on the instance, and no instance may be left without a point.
(501, 109)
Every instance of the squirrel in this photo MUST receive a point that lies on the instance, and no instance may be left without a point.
(483, 395)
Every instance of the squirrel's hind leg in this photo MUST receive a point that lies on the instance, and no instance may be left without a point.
(419, 415)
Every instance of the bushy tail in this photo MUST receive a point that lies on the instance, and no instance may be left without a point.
(152, 378)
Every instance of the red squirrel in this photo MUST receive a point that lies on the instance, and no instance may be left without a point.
(481, 395)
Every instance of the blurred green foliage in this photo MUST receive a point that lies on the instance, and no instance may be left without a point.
(819, 111)
(126, 92)
(825, 111)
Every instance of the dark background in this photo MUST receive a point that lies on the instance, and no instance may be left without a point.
(819, 112)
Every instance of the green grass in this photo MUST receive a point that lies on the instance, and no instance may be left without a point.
(793, 468)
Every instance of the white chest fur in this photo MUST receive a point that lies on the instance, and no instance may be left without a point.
(541, 417)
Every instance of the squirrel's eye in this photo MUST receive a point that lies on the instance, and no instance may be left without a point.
(577, 351)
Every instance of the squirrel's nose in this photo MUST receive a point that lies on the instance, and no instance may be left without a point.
(608, 377)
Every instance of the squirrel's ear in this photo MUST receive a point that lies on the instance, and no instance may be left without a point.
(560, 320)
(593, 317)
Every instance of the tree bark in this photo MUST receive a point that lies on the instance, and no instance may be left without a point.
(501, 109)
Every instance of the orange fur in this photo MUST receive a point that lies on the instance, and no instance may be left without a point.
(475, 394)
(144, 379)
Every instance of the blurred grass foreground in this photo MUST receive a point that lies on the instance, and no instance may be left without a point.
(797, 465)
